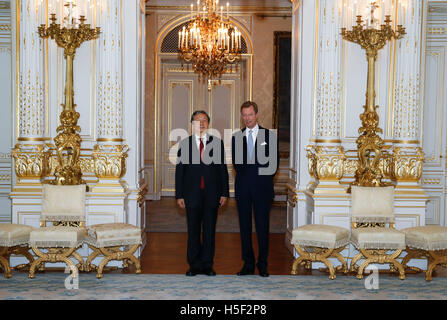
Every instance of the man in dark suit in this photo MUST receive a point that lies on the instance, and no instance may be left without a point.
(201, 186)
(255, 160)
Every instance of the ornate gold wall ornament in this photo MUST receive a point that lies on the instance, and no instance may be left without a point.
(292, 195)
(110, 160)
(31, 160)
(68, 141)
(326, 163)
(142, 191)
(407, 164)
(369, 143)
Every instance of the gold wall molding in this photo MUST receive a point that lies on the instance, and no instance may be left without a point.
(5, 27)
(437, 30)
(5, 5)
(433, 181)
(5, 177)
(110, 161)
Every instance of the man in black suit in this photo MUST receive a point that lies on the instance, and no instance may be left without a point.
(201, 186)
(255, 160)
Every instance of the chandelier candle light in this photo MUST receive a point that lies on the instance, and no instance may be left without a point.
(369, 143)
(209, 40)
(69, 36)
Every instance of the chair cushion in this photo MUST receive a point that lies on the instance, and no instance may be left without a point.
(14, 234)
(378, 238)
(372, 204)
(322, 236)
(63, 203)
(113, 234)
(426, 237)
(57, 237)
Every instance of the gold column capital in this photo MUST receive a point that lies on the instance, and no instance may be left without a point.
(110, 161)
(31, 161)
(326, 163)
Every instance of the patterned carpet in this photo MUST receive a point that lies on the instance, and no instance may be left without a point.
(51, 286)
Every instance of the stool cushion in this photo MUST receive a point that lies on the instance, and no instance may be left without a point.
(57, 237)
(14, 234)
(113, 234)
(378, 238)
(426, 237)
(319, 235)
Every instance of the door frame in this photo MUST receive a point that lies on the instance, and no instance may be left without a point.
(159, 57)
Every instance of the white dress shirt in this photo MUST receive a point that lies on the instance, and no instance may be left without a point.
(197, 138)
(254, 133)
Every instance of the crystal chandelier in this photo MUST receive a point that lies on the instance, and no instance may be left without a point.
(209, 41)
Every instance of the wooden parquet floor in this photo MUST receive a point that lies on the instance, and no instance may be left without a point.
(165, 253)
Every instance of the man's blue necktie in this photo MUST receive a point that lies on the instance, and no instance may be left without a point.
(250, 143)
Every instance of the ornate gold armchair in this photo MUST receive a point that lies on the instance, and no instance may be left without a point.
(114, 241)
(64, 206)
(429, 242)
(315, 242)
(372, 210)
(14, 241)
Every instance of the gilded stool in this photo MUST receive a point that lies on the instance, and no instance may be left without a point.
(373, 231)
(14, 240)
(64, 208)
(428, 242)
(108, 239)
(318, 243)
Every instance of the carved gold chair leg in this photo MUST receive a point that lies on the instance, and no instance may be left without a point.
(437, 258)
(81, 264)
(343, 265)
(5, 255)
(53, 255)
(23, 251)
(414, 254)
(4, 263)
(354, 267)
(114, 253)
(381, 257)
(298, 261)
(89, 266)
(319, 255)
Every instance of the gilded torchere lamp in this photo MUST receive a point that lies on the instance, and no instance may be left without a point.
(69, 36)
(369, 143)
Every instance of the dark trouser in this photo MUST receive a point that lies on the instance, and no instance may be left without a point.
(261, 209)
(200, 254)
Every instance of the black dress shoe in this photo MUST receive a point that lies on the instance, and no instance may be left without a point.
(263, 273)
(209, 272)
(192, 272)
(246, 271)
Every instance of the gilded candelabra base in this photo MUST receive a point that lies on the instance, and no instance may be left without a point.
(68, 149)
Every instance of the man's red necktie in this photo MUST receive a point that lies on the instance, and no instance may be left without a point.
(202, 181)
